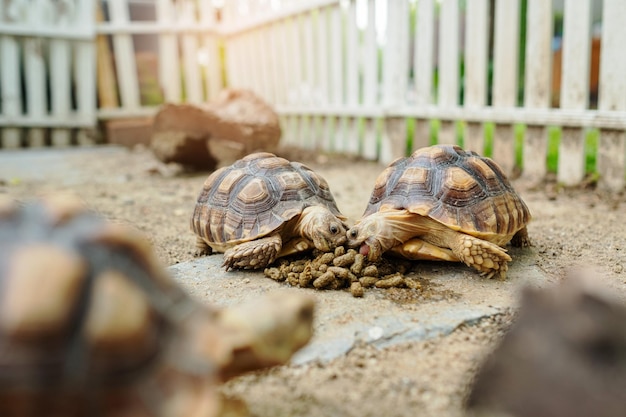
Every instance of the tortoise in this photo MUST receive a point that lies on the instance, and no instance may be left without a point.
(91, 324)
(443, 203)
(263, 207)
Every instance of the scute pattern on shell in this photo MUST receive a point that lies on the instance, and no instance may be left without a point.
(458, 188)
(255, 196)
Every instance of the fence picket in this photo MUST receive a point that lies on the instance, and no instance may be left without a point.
(169, 67)
(395, 72)
(193, 81)
(10, 89)
(612, 149)
(448, 66)
(124, 53)
(337, 74)
(370, 82)
(212, 68)
(423, 65)
(574, 87)
(506, 40)
(537, 84)
(352, 78)
(476, 52)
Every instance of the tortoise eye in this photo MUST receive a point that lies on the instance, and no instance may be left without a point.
(334, 230)
(353, 233)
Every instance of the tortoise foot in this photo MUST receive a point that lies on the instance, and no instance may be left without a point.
(202, 249)
(521, 239)
(488, 258)
(254, 254)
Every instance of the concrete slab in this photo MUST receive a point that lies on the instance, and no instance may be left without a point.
(60, 164)
(451, 295)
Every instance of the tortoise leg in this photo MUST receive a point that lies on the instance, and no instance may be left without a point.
(295, 245)
(488, 258)
(521, 239)
(202, 248)
(419, 250)
(254, 254)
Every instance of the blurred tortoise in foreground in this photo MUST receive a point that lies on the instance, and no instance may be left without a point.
(91, 324)
(264, 207)
(443, 203)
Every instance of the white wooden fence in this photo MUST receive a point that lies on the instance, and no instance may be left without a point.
(347, 75)
(47, 72)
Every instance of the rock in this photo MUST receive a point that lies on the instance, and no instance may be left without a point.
(217, 133)
(565, 356)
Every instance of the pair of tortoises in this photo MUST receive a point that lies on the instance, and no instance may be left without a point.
(91, 324)
(441, 203)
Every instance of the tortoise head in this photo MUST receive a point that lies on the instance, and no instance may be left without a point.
(374, 235)
(323, 228)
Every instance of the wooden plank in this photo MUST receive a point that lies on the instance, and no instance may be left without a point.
(612, 94)
(424, 51)
(107, 82)
(311, 91)
(449, 54)
(269, 92)
(421, 134)
(395, 74)
(60, 88)
(295, 57)
(123, 49)
(169, 63)
(10, 89)
(370, 139)
(506, 41)
(370, 82)
(193, 81)
(85, 79)
(537, 84)
(209, 41)
(352, 77)
(85, 70)
(337, 75)
(574, 87)
(322, 59)
(277, 69)
(35, 83)
(476, 48)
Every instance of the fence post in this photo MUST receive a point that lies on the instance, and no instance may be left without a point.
(476, 44)
(612, 149)
(395, 73)
(423, 68)
(448, 66)
(370, 82)
(125, 63)
(537, 84)
(574, 87)
(506, 41)
(10, 89)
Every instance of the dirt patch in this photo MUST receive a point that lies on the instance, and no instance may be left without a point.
(570, 227)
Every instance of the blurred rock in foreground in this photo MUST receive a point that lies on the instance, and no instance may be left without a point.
(565, 356)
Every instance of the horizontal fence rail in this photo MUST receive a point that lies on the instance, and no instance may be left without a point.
(538, 85)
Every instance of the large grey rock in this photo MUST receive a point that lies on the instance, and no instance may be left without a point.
(454, 295)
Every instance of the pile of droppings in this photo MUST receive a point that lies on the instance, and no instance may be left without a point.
(342, 269)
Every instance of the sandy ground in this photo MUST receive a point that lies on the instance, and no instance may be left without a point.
(431, 378)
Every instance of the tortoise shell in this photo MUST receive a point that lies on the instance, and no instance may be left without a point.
(92, 324)
(460, 189)
(255, 196)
